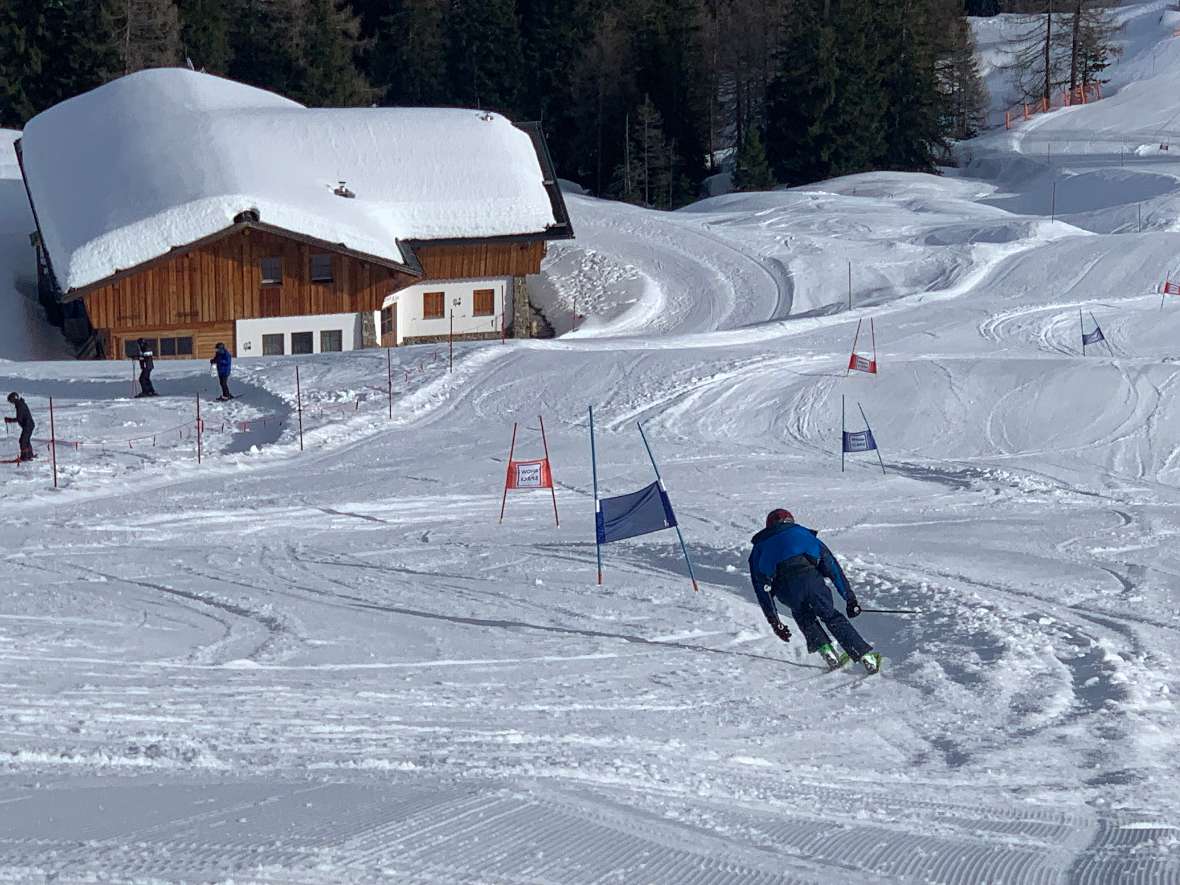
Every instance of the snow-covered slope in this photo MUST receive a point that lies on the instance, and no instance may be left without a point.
(336, 666)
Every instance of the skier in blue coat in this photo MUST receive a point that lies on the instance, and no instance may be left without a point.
(789, 563)
(224, 363)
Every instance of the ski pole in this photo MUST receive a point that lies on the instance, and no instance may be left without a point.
(892, 611)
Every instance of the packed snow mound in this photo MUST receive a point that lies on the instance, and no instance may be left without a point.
(162, 158)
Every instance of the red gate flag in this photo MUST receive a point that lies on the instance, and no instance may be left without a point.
(533, 474)
(859, 363)
(530, 474)
(1171, 287)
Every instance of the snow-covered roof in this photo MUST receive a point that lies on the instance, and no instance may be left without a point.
(163, 158)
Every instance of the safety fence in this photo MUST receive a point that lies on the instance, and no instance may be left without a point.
(319, 407)
(1081, 94)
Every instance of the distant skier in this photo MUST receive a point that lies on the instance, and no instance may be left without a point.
(146, 364)
(25, 419)
(789, 562)
(224, 363)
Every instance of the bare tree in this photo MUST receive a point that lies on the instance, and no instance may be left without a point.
(148, 33)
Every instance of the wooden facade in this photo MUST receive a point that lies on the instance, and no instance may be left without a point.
(200, 293)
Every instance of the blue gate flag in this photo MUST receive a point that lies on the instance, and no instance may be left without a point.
(860, 441)
(1093, 337)
(638, 513)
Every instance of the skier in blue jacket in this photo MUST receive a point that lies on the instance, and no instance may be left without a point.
(789, 563)
(224, 363)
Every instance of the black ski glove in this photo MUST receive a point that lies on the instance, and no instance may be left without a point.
(780, 630)
(853, 608)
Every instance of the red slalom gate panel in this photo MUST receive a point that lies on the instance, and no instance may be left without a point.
(1171, 287)
(530, 474)
(857, 362)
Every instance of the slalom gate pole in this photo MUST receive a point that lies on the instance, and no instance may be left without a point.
(198, 428)
(1082, 329)
(299, 406)
(552, 489)
(850, 285)
(1104, 338)
(873, 330)
(451, 344)
(876, 448)
(53, 442)
(892, 611)
(508, 472)
(659, 479)
(389, 376)
(842, 428)
(855, 338)
(594, 474)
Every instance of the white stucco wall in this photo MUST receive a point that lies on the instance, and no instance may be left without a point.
(250, 332)
(459, 296)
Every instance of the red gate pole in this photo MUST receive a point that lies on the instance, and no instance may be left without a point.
(552, 490)
(873, 329)
(855, 338)
(53, 442)
(451, 344)
(198, 428)
(389, 373)
(508, 472)
(299, 406)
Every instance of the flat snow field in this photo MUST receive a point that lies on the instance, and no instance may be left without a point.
(335, 666)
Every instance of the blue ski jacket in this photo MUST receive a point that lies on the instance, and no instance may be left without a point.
(222, 360)
(792, 561)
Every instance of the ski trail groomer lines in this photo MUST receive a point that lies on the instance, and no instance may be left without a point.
(789, 563)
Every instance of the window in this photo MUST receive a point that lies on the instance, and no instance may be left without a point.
(485, 302)
(302, 342)
(167, 347)
(272, 345)
(272, 271)
(321, 268)
(331, 341)
(184, 346)
(432, 306)
(387, 321)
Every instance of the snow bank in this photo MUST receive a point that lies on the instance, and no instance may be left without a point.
(162, 158)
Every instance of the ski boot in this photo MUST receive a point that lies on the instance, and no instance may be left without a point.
(828, 654)
(871, 661)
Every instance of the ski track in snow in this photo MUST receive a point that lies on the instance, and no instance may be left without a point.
(335, 666)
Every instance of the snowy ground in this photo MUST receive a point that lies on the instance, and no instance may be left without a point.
(334, 665)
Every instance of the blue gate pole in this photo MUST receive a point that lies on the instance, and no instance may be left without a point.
(876, 448)
(594, 471)
(683, 546)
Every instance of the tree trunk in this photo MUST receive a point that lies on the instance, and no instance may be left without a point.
(1074, 47)
(1048, 54)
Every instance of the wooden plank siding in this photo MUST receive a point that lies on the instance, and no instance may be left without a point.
(202, 292)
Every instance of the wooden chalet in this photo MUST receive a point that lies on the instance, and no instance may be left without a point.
(250, 220)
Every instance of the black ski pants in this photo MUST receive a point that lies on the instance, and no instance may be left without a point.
(224, 379)
(26, 442)
(145, 383)
(815, 605)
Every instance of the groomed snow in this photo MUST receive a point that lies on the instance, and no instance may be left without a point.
(336, 666)
(162, 158)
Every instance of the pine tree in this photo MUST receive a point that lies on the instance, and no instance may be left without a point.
(602, 97)
(857, 117)
(801, 95)
(408, 59)
(147, 33)
(964, 96)
(1036, 59)
(22, 36)
(204, 32)
(914, 128)
(484, 55)
(751, 169)
(1092, 45)
(265, 44)
(328, 74)
(646, 176)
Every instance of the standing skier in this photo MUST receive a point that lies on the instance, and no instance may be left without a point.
(25, 419)
(224, 363)
(789, 562)
(146, 364)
